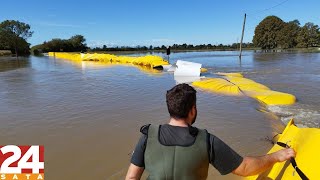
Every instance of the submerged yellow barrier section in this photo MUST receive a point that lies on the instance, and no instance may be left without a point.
(148, 60)
(235, 84)
(306, 143)
(203, 70)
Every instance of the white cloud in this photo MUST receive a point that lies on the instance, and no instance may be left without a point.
(100, 43)
(162, 40)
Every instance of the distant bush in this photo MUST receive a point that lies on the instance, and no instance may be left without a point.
(74, 44)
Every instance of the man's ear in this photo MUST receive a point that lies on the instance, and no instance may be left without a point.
(193, 110)
(194, 107)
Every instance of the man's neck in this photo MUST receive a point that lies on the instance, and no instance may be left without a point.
(178, 122)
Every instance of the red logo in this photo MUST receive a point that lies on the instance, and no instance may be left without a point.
(21, 162)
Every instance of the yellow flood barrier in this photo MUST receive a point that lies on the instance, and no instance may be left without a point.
(148, 60)
(69, 56)
(235, 84)
(218, 85)
(306, 143)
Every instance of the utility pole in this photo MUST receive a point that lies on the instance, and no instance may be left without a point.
(244, 24)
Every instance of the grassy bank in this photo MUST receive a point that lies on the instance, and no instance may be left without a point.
(5, 53)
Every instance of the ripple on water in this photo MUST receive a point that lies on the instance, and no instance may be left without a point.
(303, 115)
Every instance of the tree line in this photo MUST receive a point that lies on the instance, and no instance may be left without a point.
(173, 47)
(272, 32)
(74, 44)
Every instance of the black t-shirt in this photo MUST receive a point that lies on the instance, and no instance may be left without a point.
(221, 156)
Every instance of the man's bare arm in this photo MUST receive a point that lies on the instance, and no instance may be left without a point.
(134, 172)
(255, 165)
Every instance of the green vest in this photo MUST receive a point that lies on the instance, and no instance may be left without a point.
(176, 162)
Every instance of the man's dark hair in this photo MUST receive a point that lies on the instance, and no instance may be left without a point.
(180, 100)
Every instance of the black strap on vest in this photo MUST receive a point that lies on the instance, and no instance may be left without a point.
(294, 163)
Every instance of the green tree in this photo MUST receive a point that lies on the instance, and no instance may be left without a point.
(266, 34)
(78, 43)
(3, 42)
(303, 38)
(14, 34)
(288, 35)
(309, 36)
(190, 46)
(55, 45)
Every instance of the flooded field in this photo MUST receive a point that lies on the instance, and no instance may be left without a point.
(88, 115)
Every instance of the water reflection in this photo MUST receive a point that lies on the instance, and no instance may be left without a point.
(11, 63)
(102, 65)
(149, 70)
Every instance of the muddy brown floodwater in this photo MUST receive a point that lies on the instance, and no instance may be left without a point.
(88, 115)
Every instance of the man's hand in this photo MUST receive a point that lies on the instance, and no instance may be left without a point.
(283, 155)
(256, 165)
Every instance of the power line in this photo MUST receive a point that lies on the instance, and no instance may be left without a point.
(261, 11)
(267, 9)
(252, 28)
